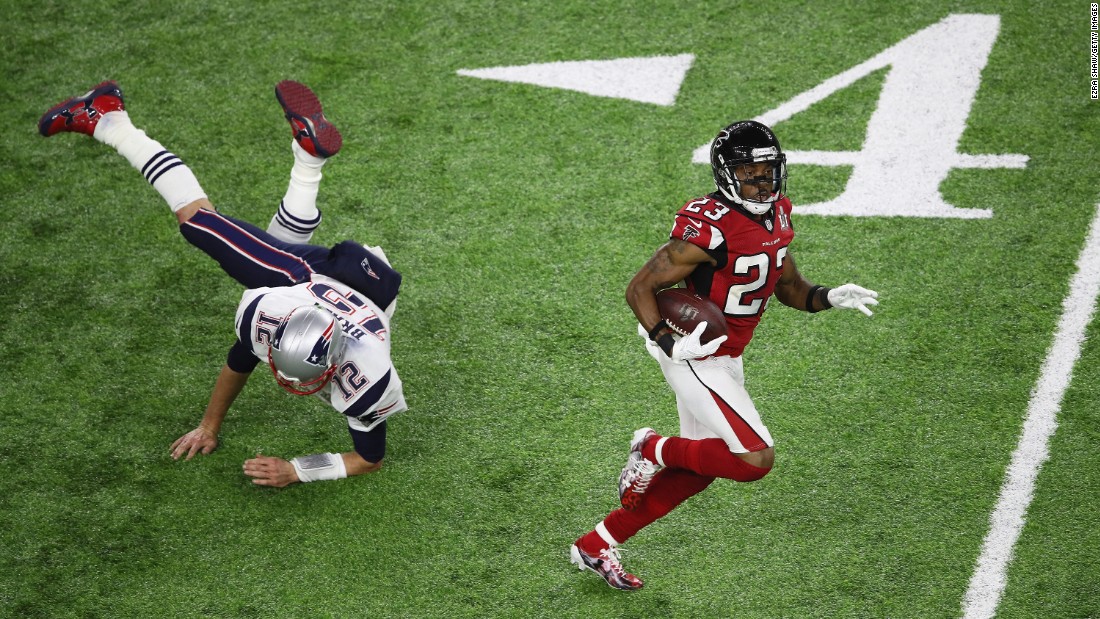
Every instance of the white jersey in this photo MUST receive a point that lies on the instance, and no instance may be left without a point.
(365, 387)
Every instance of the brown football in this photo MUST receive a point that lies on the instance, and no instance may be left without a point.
(683, 311)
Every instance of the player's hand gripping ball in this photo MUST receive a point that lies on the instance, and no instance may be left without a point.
(683, 311)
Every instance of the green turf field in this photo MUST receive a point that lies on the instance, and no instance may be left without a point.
(518, 214)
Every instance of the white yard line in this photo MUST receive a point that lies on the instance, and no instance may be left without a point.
(988, 581)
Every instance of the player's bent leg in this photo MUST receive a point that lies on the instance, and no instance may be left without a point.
(710, 457)
(315, 140)
(723, 433)
(248, 254)
(712, 392)
(763, 459)
(668, 490)
(191, 208)
(712, 395)
(102, 114)
(692, 428)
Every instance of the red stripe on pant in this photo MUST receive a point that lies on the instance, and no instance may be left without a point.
(744, 432)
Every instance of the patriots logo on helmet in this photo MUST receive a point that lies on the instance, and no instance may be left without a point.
(319, 355)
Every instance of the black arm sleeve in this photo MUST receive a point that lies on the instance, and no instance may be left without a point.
(371, 445)
(241, 359)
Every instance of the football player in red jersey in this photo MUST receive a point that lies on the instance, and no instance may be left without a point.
(731, 246)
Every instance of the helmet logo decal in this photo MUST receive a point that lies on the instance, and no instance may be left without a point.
(723, 135)
(279, 331)
(319, 355)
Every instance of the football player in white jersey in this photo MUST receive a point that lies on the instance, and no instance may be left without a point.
(318, 317)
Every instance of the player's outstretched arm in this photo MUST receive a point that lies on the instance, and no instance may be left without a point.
(279, 473)
(794, 290)
(204, 439)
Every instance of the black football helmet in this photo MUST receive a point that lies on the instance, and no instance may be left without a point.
(747, 142)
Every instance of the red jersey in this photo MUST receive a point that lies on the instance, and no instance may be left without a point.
(750, 256)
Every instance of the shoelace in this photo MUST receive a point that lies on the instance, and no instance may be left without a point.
(644, 471)
(610, 556)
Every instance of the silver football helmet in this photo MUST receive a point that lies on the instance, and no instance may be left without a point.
(306, 349)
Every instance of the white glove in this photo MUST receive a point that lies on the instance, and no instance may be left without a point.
(689, 346)
(851, 296)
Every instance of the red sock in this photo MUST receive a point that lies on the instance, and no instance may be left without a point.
(649, 448)
(591, 543)
(710, 457)
(669, 488)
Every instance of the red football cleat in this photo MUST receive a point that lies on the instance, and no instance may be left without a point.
(606, 563)
(314, 133)
(81, 114)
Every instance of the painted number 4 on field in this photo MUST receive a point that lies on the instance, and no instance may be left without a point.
(913, 135)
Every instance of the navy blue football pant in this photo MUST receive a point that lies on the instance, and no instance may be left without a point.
(256, 259)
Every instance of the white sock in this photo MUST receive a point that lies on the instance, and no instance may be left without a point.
(173, 180)
(605, 535)
(298, 216)
(658, 451)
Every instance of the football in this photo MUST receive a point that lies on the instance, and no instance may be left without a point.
(684, 310)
